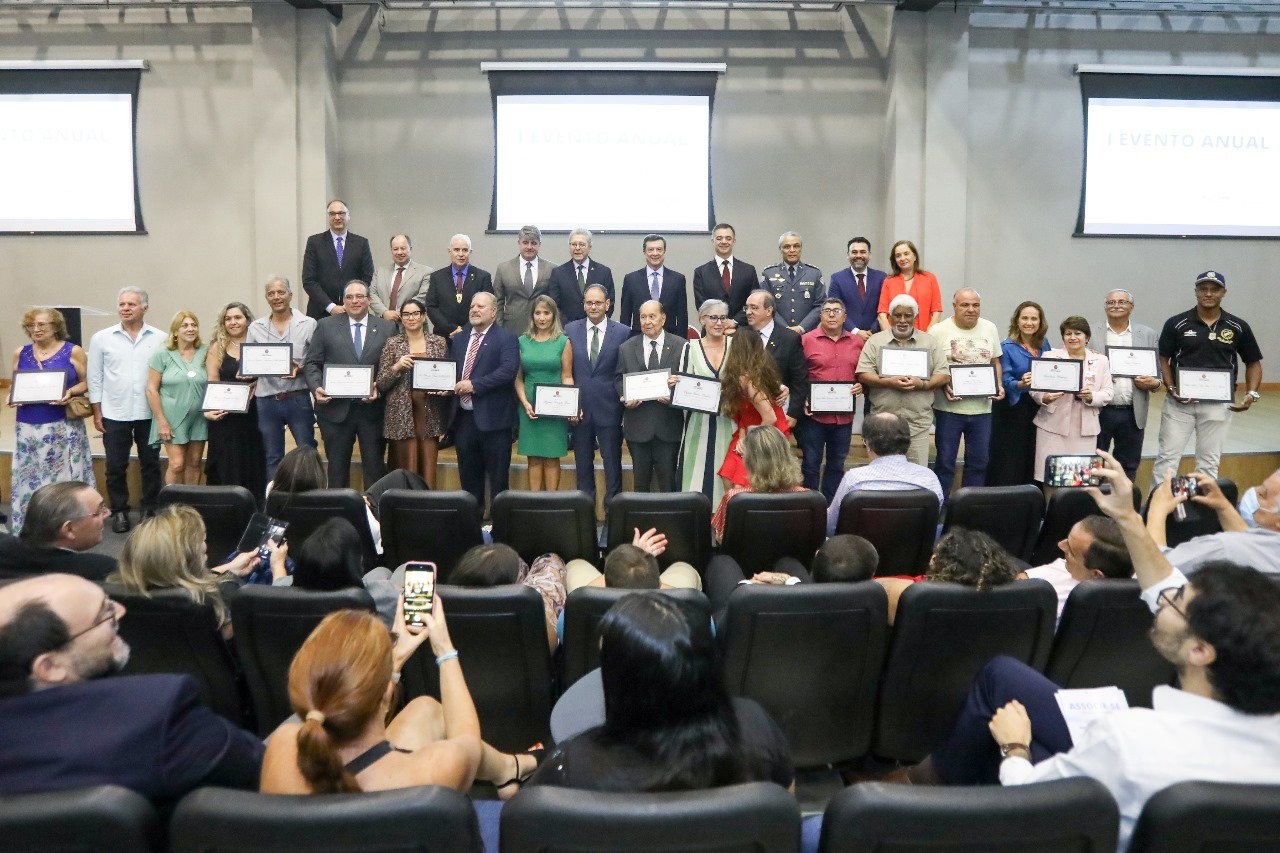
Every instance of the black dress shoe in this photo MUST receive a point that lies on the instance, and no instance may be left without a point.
(147, 512)
(120, 522)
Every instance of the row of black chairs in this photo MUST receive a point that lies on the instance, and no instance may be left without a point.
(1063, 816)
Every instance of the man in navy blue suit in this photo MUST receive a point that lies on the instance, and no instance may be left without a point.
(596, 340)
(654, 281)
(484, 411)
(570, 280)
(859, 289)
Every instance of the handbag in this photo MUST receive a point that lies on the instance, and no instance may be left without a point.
(78, 408)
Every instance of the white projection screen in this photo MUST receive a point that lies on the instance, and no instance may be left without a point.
(1180, 156)
(609, 151)
(68, 160)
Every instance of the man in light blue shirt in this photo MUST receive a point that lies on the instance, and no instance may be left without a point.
(118, 358)
(887, 438)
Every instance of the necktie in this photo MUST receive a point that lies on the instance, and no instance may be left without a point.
(595, 345)
(528, 276)
(359, 340)
(338, 247)
(395, 287)
(469, 363)
(654, 290)
(653, 355)
(582, 282)
(791, 274)
(764, 339)
(724, 275)
(457, 284)
(862, 285)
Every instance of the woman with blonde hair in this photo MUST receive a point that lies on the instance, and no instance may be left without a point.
(750, 388)
(546, 358)
(236, 453)
(175, 391)
(770, 465)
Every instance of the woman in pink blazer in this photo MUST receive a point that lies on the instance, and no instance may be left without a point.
(1068, 423)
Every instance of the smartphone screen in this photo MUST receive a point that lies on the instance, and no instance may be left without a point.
(1072, 471)
(419, 592)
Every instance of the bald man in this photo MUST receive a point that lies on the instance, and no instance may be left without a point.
(651, 427)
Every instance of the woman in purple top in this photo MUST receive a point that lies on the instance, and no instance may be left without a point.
(50, 447)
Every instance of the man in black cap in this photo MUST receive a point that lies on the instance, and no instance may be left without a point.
(1193, 345)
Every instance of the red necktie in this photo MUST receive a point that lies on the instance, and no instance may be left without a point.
(395, 287)
(862, 285)
(724, 275)
(470, 362)
(457, 275)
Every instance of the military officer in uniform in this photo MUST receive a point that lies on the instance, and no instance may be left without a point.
(797, 288)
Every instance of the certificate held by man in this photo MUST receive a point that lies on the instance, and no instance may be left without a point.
(348, 380)
(1205, 384)
(1133, 361)
(646, 385)
(434, 374)
(831, 398)
(904, 361)
(1057, 374)
(696, 393)
(266, 359)
(973, 380)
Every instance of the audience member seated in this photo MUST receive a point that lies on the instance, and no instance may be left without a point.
(64, 520)
(634, 566)
(64, 725)
(887, 438)
(330, 559)
(498, 565)
(167, 551)
(841, 559)
(1260, 504)
(1094, 548)
(668, 724)
(1258, 547)
(961, 556)
(770, 465)
(1221, 629)
(342, 684)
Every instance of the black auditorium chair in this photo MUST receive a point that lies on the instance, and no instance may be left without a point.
(501, 637)
(1209, 817)
(305, 511)
(583, 610)
(1010, 515)
(168, 632)
(271, 624)
(435, 526)
(942, 636)
(902, 525)
(1064, 508)
(759, 529)
(226, 511)
(537, 523)
(101, 819)
(1103, 639)
(811, 654)
(1200, 520)
(428, 818)
(1063, 816)
(750, 818)
(684, 517)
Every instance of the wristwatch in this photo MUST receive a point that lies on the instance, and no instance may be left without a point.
(1006, 748)
(1255, 395)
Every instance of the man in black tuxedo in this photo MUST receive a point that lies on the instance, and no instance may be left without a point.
(785, 347)
(450, 290)
(570, 280)
(724, 277)
(654, 281)
(353, 337)
(333, 258)
(652, 428)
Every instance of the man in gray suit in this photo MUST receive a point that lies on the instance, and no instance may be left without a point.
(1123, 420)
(396, 284)
(796, 287)
(354, 337)
(517, 281)
(652, 428)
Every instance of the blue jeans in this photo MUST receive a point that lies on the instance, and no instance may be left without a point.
(274, 415)
(948, 428)
(815, 438)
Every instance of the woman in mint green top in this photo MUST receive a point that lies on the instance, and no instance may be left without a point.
(546, 358)
(175, 392)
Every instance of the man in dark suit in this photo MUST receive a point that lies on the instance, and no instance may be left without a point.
(570, 280)
(63, 725)
(354, 337)
(654, 281)
(596, 341)
(450, 290)
(333, 258)
(652, 428)
(396, 284)
(724, 277)
(63, 522)
(784, 346)
(484, 411)
(518, 281)
(858, 288)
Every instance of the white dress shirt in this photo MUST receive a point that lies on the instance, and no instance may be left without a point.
(1122, 385)
(118, 371)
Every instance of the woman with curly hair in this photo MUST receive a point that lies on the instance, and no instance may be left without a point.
(962, 556)
(236, 454)
(750, 388)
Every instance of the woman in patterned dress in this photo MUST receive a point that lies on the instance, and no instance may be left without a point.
(706, 435)
(414, 420)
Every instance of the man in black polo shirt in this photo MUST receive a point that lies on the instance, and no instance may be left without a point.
(1204, 337)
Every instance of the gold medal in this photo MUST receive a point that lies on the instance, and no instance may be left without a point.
(458, 296)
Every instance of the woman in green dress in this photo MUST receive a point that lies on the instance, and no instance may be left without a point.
(706, 436)
(175, 392)
(546, 358)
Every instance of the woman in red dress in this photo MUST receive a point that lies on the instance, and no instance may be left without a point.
(750, 392)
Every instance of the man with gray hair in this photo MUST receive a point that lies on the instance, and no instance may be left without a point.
(64, 520)
(796, 287)
(451, 289)
(1122, 421)
(569, 281)
(118, 374)
(283, 400)
(517, 281)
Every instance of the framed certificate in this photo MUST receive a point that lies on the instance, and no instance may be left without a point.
(645, 385)
(973, 380)
(348, 380)
(266, 359)
(434, 374)
(1057, 374)
(1209, 385)
(904, 361)
(555, 401)
(696, 393)
(38, 386)
(831, 398)
(226, 397)
(1133, 361)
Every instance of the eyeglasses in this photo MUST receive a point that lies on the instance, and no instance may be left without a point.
(33, 326)
(355, 297)
(1169, 597)
(833, 312)
(110, 617)
(1114, 303)
(716, 318)
(409, 315)
(337, 213)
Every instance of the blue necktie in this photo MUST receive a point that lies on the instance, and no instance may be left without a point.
(338, 247)
(359, 340)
